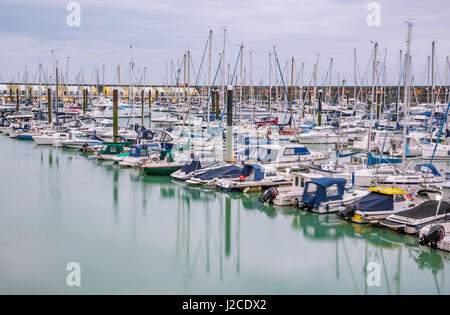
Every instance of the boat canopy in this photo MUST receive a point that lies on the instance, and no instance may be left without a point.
(376, 201)
(425, 168)
(139, 150)
(322, 192)
(192, 166)
(230, 171)
(253, 169)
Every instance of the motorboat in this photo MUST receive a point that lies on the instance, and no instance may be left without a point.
(412, 220)
(254, 177)
(162, 163)
(377, 205)
(209, 178)
(79, 140)
(136, 155)
(322, 135)
(109, 150)
(285, 196)
(50, 138)
(327, 195)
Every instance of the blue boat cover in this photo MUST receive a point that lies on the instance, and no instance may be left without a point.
(230, 171)
(375, 202)
(258, 171)
(314, 199)
(192, 166)
(425, 168)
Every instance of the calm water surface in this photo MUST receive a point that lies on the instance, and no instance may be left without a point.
(137, 234)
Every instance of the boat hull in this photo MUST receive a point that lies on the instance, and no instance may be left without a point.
(161, 170)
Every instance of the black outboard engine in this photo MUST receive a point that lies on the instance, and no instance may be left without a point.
(269, 195)
(435, 234)
(348, 212)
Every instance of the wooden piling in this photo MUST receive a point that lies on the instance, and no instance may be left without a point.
(115, 115)
(49, 105)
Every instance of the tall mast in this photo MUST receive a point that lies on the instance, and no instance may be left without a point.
(118, 82)
(372, 99)
(407, 78)
(40, 90)
(67, 71)
(301, 90)
(270, 84)
(241, 53)
(209, 72)
(428, 80)
(292, 88)
(224, 65)
(355, 79)
(330, 80)
(433, 87)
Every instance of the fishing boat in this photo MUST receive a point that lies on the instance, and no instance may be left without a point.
(377, 205)
(327, 195)
(254, 177)
(412, 220)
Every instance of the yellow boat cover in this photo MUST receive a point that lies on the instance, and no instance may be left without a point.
(388, 190)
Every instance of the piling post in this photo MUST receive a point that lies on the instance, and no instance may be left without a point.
(49, 105)
(142, 109)
(115, 115)
(84, 101)
(319, 114)
(17, 99)
(217, 104)
(229, 123)
(150, 107)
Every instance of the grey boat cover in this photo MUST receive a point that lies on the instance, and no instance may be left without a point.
(426, 210)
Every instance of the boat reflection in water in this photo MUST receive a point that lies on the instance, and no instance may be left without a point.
(149, 234)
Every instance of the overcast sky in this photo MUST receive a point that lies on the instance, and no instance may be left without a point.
(161, 31)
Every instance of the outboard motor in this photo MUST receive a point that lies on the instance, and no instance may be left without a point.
(432, 235)
(269, 195)
(348, 212)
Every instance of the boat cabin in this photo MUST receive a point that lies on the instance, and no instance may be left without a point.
(322, 190)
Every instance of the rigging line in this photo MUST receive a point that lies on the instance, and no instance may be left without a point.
(210, 89)
(201, 63)
(284, 86)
